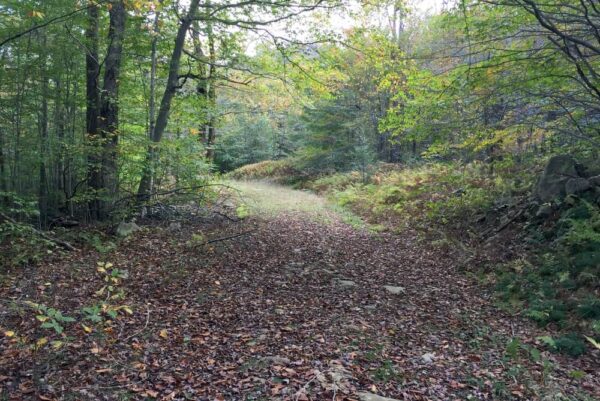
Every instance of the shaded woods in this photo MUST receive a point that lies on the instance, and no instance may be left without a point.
(299, 200)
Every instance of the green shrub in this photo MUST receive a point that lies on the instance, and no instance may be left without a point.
(570, 344)
(545, 312)
(282, 171)
(589, 308)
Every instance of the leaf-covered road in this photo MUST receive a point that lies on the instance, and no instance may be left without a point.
(294, 310)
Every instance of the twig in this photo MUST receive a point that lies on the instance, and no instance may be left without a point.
(226, 216)
(57, 241)
(493, 231)
(145, 325)
(304, 388)
(229, 237)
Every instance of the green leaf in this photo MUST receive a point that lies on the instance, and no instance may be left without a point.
(547, 340)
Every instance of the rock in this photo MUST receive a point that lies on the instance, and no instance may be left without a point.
(558, 171)
(353, 327)
(544, 211)
(575, 186)
(364, 396)
(228, 204)
(346, 283)
(394, 290)
(276, 360)
(125, 229)
(294, 266)
(175, 226)
(429, 357)
(595, 181)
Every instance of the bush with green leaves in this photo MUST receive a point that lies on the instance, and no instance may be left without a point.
(20, 244)
(50, 318)
(558, 286)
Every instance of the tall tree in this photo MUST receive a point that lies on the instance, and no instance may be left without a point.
(93, 108)
(109, 101)
(147, 181)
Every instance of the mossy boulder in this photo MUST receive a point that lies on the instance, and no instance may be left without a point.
(578, 185)
(558, 171)
(125, 229)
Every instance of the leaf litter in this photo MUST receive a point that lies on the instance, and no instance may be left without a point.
(264, 317)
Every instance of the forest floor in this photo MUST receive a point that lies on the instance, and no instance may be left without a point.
(294, 307)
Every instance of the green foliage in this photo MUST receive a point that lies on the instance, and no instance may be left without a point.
(386, 372)
(19, 243)
(570, 344)
(335, 182)
(282, 171)
(49, 317)
(558, 285)
(197, 239)
(98, 242)
(434, 194)
(242, 211)
(111, 293)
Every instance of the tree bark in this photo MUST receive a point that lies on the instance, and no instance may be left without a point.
(108, 124)
(43, 133)
(92, 110)
(202, 85)
(145, 187)
(212, 95)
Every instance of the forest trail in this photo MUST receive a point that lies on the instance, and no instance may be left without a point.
(268, 199)
(295, 308)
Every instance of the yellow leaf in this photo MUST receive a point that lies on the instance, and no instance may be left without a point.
(127, 309)
(41, 318)
(9, 333)
(594, 342)
(85, 328)
(41, 342)
(57, 344)
(164, 333)
(108, 265)
(101, 269)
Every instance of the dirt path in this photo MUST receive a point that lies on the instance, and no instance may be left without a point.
(296, 309)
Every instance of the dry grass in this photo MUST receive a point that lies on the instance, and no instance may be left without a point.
(265, 198)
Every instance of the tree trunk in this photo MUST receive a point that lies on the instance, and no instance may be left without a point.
(212, 96)
(202, 85)
(152, 102)
(108, 125)
(3, 188)
(3, 182)
(43, 132)
(145, 187)
(92, 109)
